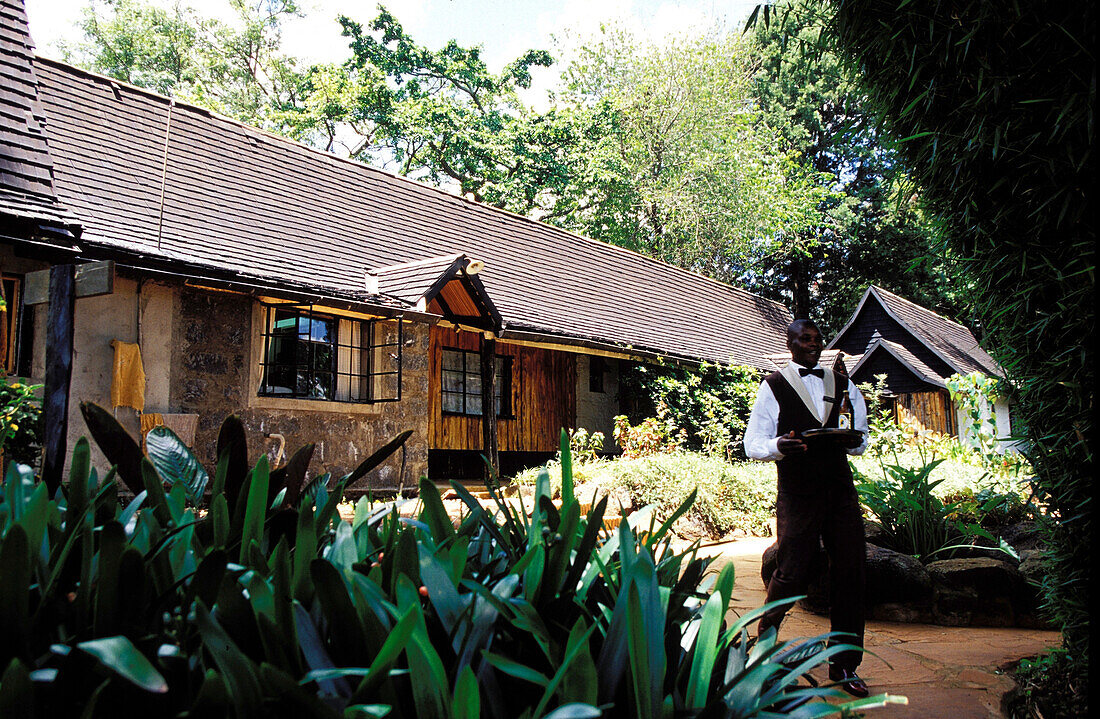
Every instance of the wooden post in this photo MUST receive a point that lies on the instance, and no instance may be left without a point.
(59, 371)
(488, 404)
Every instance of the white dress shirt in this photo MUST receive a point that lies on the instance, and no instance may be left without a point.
(761, 441)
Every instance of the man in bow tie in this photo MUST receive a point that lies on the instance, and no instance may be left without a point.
(816, 500)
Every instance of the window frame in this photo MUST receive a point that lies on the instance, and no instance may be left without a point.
(349, 376)
(501, 388)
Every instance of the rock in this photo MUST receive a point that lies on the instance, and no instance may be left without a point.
(874, 533)
(981, 591)
(978, 591)
(1033, 565)
(1023, 536)
(892, 577)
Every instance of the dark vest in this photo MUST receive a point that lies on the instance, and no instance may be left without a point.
(823, 467)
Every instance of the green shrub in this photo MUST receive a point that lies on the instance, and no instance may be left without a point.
(648, 437)
(738, 496)
(20, 422)
(709, 404)
(273, 606)
(918, 520)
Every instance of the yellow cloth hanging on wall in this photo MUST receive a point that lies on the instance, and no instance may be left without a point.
(128, 382)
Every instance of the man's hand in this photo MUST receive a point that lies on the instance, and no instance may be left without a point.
(788, 444)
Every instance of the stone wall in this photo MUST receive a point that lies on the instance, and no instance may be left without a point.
(214, 376)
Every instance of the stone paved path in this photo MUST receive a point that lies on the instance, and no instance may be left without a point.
(951, 672)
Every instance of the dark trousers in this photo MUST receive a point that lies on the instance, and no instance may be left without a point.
(835, 519)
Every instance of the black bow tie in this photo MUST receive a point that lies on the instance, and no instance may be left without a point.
(817, 372)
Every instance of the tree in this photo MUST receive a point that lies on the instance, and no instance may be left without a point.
(869, 230)
(441, 116)
(673, 164)
(238, 70)
(993, 108)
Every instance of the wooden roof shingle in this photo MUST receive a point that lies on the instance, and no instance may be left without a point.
(26, 169)
(247, 201)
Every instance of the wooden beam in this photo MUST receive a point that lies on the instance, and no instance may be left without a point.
(489, 439)
(59, 371)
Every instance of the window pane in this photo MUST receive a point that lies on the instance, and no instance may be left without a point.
(281, 351)
(323, 331)
(322, 357)
(285, 322)
(473, 405)
(453, 381)
(322, 385)
(452, 402)
(279, 379)
(452, 360)
(473, 384)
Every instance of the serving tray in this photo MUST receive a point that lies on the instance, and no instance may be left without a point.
(831, 432)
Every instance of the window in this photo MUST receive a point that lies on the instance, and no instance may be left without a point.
(461, 383)
(311, 355)
(596, 369)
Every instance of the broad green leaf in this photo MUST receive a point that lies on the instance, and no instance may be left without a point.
(255, 509)
(575, 711)
(467, 702)
(239, 671)
(15, 589)
(116, 444)
(567, 495)
(175, 463)
(434, 514)
(705, 651)
(515, 669)
(119, 655)
(17, 692)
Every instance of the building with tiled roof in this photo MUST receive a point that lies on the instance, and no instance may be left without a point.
(325, 300)
(917, 350)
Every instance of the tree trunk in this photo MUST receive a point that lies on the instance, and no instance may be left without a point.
(488, 407)
(800, 289)
(59, 371)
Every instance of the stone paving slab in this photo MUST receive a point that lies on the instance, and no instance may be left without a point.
(953, 672)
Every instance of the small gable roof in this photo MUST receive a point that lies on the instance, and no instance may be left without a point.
(157, 179)
(950, 341)
(448, 280)
(27, 197)
(903, 355)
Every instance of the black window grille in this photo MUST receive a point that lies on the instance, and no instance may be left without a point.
(313, 355)
(461, 383)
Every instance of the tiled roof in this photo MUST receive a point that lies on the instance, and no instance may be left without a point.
(953, 342)
(240, 199)
(907, 358)
(828, 359)
(26, 183)
(410, 281)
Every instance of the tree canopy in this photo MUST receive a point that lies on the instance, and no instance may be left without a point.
(871, 227)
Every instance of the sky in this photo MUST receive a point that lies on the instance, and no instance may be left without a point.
(504, 28)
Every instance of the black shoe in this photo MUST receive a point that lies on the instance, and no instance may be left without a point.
(849, 681)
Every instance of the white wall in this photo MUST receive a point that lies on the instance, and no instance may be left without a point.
(596, 410)
(97, 321)
(1004, 425)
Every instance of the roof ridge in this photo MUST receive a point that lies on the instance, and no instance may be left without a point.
(924, 309)
(416, 263)
(392, 175)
